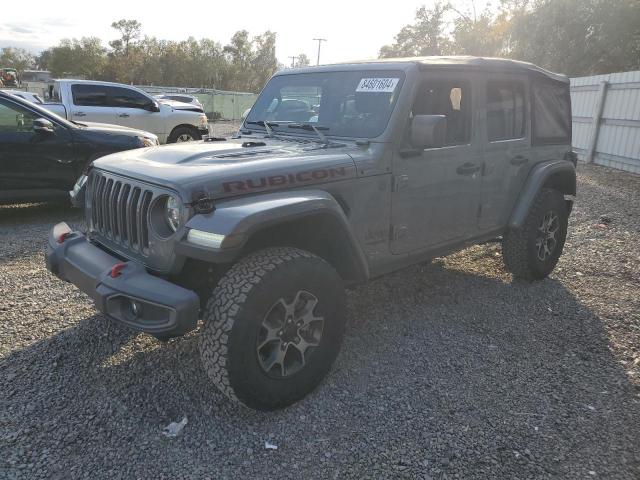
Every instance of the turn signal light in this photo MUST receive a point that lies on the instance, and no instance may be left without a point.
(63, 237)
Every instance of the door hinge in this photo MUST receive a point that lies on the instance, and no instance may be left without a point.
(400, 182)
(399, 232)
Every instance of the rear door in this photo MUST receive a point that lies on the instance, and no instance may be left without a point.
(437, 190)
(132, 110)
(507, 146)
(91, 104)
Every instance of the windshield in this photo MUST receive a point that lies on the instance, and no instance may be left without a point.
(344, 104)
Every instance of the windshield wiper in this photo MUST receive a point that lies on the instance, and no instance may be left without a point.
(267, 126)
(312, 127)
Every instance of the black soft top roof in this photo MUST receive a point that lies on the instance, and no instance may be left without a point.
(482, 63)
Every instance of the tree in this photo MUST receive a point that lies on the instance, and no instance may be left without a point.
(129, 32)
(17, 58)
(303, 60)
(426, 36)
(264, 60)
(577, 37)
(476, 35)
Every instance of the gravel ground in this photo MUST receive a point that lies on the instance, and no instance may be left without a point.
(449, 370)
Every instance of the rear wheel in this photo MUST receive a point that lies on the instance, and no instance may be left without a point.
(184, 134)
(532, 251)
(273, 327)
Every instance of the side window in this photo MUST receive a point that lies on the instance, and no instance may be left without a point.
(505, 110)
(87, 95)
(451, 99)
(14, 119)
(551, 112)
(127, 98)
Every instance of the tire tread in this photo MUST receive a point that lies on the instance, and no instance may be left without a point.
(224, 304)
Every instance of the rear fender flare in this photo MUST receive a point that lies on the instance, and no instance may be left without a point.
(541, 175)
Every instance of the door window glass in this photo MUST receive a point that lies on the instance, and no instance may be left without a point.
(89, 95)
(451, 99)
(505, 110)
(15, 119)
(127, 98)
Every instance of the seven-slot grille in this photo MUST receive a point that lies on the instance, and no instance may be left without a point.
(119, 211)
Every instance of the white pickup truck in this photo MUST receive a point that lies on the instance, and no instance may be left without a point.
(115, 103)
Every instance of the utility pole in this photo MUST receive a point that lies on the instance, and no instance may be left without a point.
(319, 40)
(293, 61)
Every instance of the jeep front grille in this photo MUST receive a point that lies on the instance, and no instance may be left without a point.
(119, 210)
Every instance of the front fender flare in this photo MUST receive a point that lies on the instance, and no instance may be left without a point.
(538, 177)
(237, 219)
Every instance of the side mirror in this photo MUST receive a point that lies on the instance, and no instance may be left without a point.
(43, 126)
(428, 131)
(154, 106)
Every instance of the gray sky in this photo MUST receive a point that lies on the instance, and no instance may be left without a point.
(355, 29)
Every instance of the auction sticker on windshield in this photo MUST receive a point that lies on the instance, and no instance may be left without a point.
(377, 85)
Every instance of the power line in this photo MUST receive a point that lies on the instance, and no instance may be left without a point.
(293, 60)
(319, 40)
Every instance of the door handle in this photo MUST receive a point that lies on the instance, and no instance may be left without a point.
(467, 169)
(80, 114)
(123, 115)
(518, 160)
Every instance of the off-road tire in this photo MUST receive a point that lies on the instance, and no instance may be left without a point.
(519, 249)
(234, 314)
(177, 132)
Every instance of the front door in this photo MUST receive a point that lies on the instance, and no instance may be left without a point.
(91, 104)
(30, 160)
(437, 190)
(132, 110)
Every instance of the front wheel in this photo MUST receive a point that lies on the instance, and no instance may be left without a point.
(273, 327)
(532, 251)
(184, 134)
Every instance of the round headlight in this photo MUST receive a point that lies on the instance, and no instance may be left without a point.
(172, 213)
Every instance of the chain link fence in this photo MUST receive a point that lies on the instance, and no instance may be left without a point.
(219, 105)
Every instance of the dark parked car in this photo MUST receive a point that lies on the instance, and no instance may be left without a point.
(42, 154)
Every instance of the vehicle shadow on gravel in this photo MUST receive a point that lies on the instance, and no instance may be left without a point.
(441, 365)
(33, 220)
(56, 211)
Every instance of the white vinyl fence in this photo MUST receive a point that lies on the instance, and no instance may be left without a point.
(606, 120)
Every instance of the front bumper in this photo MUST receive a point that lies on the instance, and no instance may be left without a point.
(129, 294)
(204, 131)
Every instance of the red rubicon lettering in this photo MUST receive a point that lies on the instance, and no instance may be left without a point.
(253, 185)
(233, 186)
(337, 172)
(278, 180)
(319, 174)
(303, 177)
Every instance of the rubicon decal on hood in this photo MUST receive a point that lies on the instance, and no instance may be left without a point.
(274, 181)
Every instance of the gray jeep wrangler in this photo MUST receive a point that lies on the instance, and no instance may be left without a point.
(339, 174)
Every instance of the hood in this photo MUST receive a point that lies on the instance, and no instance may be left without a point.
(234, 167)
(180, 105)
(115, 129)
